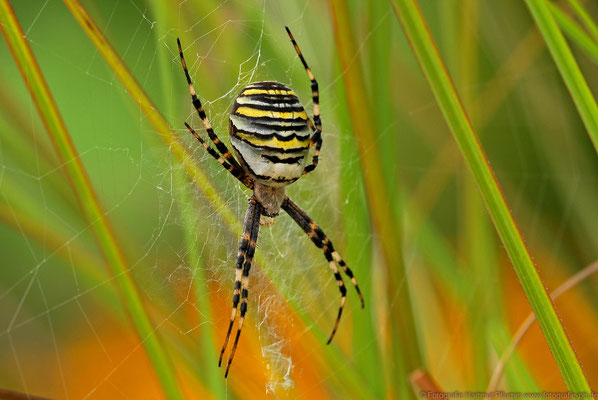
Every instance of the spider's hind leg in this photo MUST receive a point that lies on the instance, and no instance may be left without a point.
(319, 238)
(244, 260)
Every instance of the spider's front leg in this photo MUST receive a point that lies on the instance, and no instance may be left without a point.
(228, 162)
(319, 238)
(316, 126)
(244, 260)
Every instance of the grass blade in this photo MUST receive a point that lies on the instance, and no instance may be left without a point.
(211, 374)
(404, 350)
(417, 32)
(585, 17)
(574, 32)
(570, 72)
(86, 195)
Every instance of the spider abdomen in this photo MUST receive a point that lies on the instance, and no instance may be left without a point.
(269, 132)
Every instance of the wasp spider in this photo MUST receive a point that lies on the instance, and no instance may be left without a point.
(270, 134)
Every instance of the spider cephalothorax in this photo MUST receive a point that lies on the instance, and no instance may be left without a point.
(271, 135)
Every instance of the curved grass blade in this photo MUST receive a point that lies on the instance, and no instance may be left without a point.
(565, 62)
(416, 30)
(86, 195)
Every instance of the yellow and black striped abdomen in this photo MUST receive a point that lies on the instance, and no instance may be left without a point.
(270, 133)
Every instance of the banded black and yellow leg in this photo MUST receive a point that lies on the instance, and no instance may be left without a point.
(220, 146)
(236, 172)
(244, 260)
(316, 156)
(320, 240)
(317, 125)
(247, 242)
(318, 237)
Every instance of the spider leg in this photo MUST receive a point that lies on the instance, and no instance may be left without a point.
(237, 173)
(319, 238)
(317, 129)
(244, 260)
(317, 140)
(235, 168)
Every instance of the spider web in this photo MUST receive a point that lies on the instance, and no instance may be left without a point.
(63, 329)
(49, 298)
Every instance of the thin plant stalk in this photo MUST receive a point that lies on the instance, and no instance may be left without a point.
(86, 196)
(416, 30)
(210, 374)
(529, 320)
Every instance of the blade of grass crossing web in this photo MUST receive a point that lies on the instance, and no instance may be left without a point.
(162, 12)
(211, 374)
(416, 30)
(565, 62)
(87, 197)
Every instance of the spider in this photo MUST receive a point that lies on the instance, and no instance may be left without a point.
(269, 132)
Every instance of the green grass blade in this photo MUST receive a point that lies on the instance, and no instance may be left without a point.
(585, 18)
(211, 375)
(574, 32)
(86, 195)
(450, 104)
(405, 350)
(574, 79)
(359, 251)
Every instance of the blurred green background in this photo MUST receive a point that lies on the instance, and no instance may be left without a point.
(391, 191)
